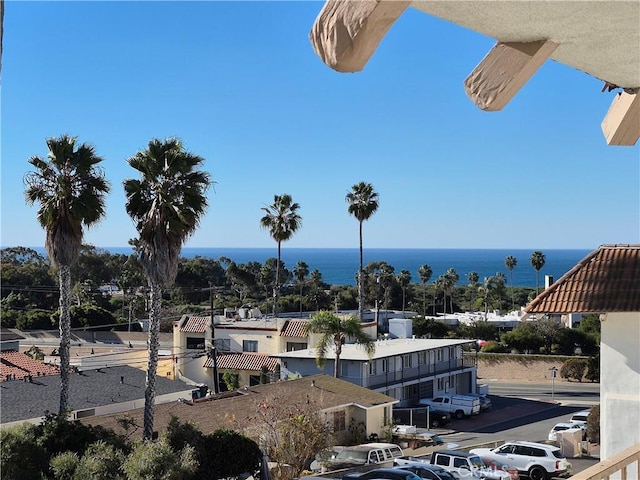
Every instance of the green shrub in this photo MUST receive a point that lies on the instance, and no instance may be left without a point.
(493, 347)
(573, 369)
(593, 369)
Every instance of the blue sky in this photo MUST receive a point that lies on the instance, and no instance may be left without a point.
(240, 85)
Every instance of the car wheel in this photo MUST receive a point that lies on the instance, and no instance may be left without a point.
(459, 414)
(537, 473)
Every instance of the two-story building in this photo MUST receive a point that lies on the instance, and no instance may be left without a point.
(245, 344)
(407, 369)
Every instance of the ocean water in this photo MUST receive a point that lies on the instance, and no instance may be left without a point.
(340, 265)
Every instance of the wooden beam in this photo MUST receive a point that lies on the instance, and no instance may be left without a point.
(347, 32)
(503, 72)
(621, 124)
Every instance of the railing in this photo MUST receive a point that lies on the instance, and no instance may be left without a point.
(618, 464)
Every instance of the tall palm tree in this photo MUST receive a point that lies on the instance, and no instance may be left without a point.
(301, 271)
(537, 262)
(425, 272)
(510, 262)
(166, 205)
(363, 202)
(282, 220)
(335, 331)
(451, 278)
(404, 279)
(71, 190)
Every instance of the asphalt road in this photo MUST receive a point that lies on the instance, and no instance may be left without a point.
(526, 412)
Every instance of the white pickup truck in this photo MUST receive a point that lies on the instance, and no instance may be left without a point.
(456, 405)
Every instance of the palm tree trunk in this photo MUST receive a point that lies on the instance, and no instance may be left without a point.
(361, 282)
(65, 334)
(336, 365)
(424, 299)
(300, 299)
(276, 287)
(152, 363)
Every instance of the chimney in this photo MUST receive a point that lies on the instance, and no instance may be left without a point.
(548, 281)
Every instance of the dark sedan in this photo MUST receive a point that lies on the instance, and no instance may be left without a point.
(429, 472)
(382, 474)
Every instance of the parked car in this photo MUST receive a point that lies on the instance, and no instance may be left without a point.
(382, 474)
(536, 460)
(562, 426)
(365, 454)
(427, 471)
(498, 465)
(485, 401)
(322, 458)
(580, 417)
(438, 418)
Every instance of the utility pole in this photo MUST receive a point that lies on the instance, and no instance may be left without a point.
(214, 355)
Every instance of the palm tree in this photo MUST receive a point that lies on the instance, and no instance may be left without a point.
(425, 272)
(404, 279)
(537, 262)
(451, 278)
(71, 190)
(282, 220)
(166, 205)
(300, 271)
(335, 331)
(363, 202)
(510, 262)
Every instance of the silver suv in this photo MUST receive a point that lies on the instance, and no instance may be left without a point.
(536, 460)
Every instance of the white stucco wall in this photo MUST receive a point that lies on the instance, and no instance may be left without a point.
(620, 384)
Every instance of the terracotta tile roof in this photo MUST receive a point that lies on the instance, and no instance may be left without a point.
(210, 415)
(295, 328)
(243, 361)
(18, 366)
(606, 280)
(195, 324)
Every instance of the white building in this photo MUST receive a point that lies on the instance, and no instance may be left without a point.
(607, 281)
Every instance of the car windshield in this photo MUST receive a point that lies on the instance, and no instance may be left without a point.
(443, 474)
(347, 454)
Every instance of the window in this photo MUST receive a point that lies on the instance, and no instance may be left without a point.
(441, 384)
(422, 358)
(372, 368)
(406, 361)
(442, 460)
(339, 421)
(249, 345)
(223, 344)
(195, 343)
(344, 369)
(295, 346)
(440, 354)
(254, 380)
(460, 462)
(385, 365)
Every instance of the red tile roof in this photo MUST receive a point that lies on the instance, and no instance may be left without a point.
(195, 324)
(606, 280)
(295, 328)
(18, 365)
(243, 361)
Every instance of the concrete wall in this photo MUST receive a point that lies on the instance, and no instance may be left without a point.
(521, 368)
(620, 387)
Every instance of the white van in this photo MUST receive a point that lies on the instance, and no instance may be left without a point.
(365, 454)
